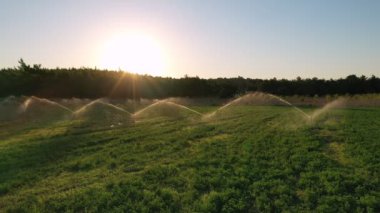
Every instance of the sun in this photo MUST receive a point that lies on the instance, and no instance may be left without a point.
(134, 52)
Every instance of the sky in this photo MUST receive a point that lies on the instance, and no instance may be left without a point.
(205, 38)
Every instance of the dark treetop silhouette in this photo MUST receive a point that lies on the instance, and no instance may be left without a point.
(94, 83)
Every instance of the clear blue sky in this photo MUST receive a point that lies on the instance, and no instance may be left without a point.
(257, 39)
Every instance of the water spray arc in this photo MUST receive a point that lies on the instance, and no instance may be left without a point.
(139, 112)
(102, 106)
(26, 104)
(98, 101)
(256, 98)
(333, 104)
(289, 104)
(167, 103)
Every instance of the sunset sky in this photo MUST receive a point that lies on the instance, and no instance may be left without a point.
(207, 38)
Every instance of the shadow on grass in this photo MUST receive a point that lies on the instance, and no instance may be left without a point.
(34, 151)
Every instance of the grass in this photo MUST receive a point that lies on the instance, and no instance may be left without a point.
(245, 159)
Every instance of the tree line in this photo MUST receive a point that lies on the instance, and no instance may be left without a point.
(94, 83)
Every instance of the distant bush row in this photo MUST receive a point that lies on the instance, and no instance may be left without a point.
(93, 83)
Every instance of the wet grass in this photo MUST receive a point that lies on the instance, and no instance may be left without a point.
(245, 159)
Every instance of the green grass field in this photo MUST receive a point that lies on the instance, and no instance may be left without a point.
(246, 159)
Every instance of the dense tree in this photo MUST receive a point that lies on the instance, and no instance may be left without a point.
(94, 83)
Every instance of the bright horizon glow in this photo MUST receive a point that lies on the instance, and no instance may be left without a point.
(133, 52)
(209, 39)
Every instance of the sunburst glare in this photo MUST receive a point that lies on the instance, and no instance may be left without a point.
(134, 52)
